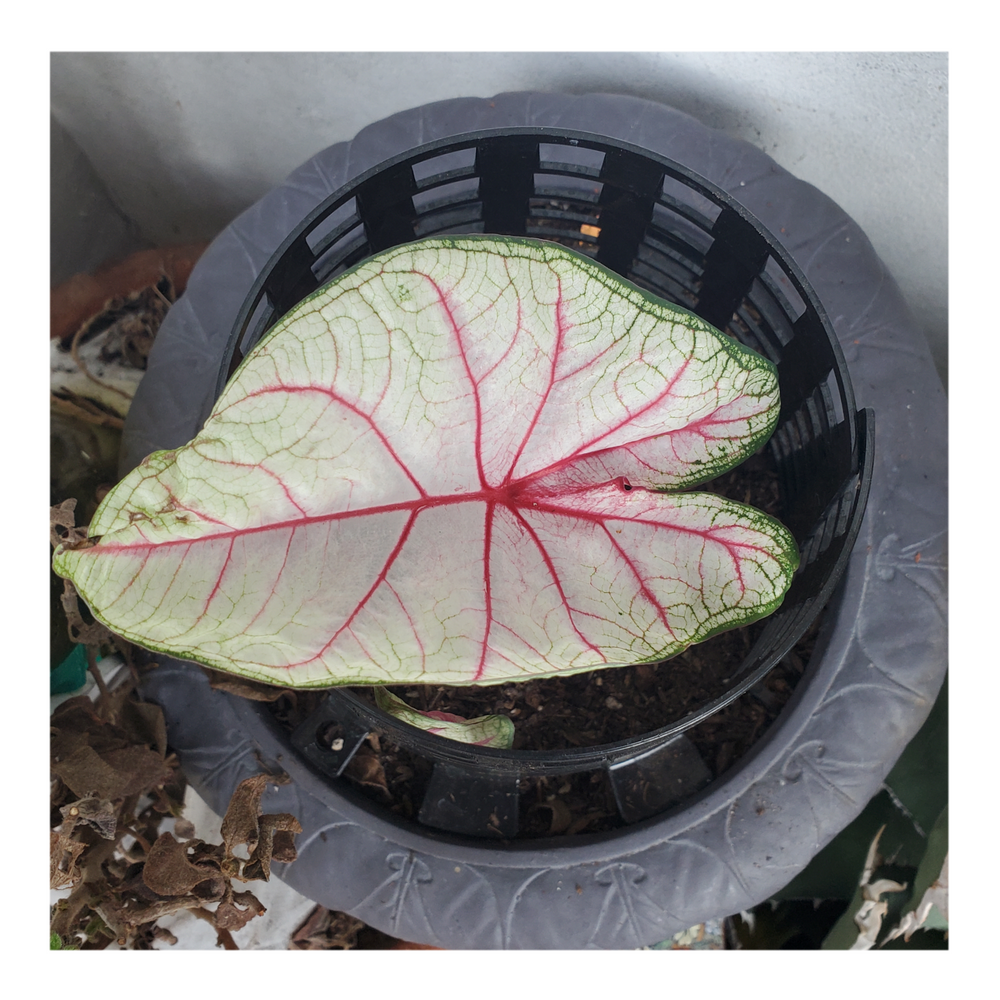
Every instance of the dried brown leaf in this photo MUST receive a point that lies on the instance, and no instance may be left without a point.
(90, 634)
(366, 769)
(140, 768)
(283, 849)
(169, 870)
(86, 774)
(100, 814)
(183, 828)
(237, 909)
(75, 724)
(240, 824)
(119, 894)
(252, 690)
(113, 774)
(325, 930)
(144, 723)
(62, 524)
(202, 853)
(64, 854)
(162, 934)
(276, 830)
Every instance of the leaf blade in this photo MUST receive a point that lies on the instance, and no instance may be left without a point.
(375, 495)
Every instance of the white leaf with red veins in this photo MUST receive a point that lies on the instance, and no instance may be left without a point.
(448, 467)
(486, 731)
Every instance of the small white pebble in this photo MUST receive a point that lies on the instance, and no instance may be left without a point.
(337, 745)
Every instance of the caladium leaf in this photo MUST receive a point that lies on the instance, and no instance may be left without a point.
(451, 465)
(486, 731)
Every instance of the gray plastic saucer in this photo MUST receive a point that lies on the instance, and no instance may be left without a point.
(871, 682)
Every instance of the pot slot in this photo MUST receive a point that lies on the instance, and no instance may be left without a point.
(649, 784)
(471, 802)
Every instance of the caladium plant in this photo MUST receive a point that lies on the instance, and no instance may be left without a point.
(465, 461)
(485, 731)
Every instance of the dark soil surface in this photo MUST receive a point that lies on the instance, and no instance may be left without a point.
(593, 708)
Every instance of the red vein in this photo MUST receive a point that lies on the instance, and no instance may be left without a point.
(643, 587)
(557, 350)
(487, 587)
(323, 391)
(630, 416)
(284, 563)
(412, 624)
(550, 566)
(135, 576)
(177, 505)
(694, 427)
(218, 582)
(379, 580)
(709, 534)
(456, 329)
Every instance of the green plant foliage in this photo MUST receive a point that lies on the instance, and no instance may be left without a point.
(919, 784)
(909, 818)
(930, 868)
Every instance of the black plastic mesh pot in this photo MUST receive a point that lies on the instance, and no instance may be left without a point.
(679, 236)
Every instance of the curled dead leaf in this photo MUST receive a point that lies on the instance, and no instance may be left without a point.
(252, 690)
(236, 909)
(100, 814)
(84, 295)
(267, 837)
(144, 723)
(325, 930)
(64, 855)
(169, 871)
(366, 769)
(276, 843)
(183, 828)
(112, 774)
(87, 633)
(559, 814)
(62, 524)
(240, 824)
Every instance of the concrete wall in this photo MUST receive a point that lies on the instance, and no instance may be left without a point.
(182, 142)
(86, 228)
